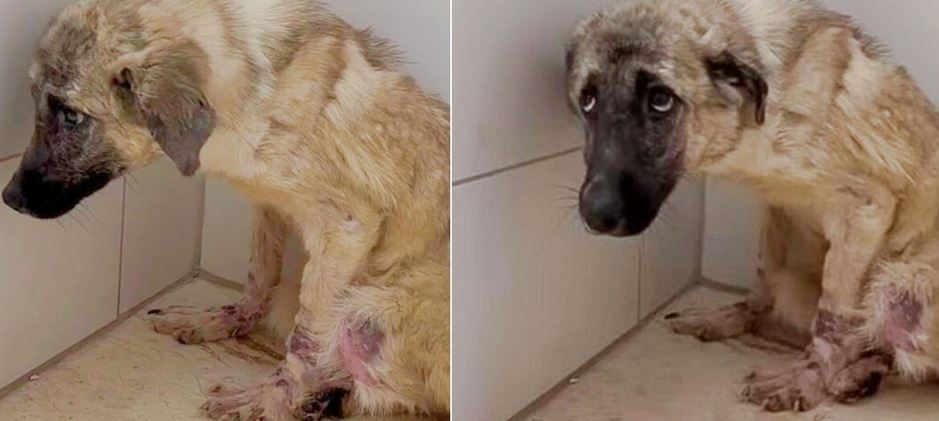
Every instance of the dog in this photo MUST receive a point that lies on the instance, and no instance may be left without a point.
(839, 143)
(314, 122)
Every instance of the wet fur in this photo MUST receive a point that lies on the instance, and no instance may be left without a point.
(311, 119)
(845, 162)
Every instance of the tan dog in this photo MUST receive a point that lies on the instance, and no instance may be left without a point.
(310, 118)
(800, 104)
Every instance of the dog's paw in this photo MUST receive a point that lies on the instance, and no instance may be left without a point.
(797, 387)
(192, 326)
(861, 378)
(712, 324)
(325, 404)
(267, 402)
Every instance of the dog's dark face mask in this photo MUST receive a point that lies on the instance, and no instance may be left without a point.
(633, 124)
(66, 161)
(100, 113)
(637, 127)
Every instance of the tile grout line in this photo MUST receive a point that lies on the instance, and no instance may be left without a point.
(22, 380)
(492, 173)
(642, 246)
(120, 261)
(218, 280)
(723, 287)
(200, 240)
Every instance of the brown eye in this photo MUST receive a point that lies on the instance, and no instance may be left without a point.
(661, 100)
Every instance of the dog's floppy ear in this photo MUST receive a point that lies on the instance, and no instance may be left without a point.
(163, 88)
(740, 82)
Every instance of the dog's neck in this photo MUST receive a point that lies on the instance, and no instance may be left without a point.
(248, 44)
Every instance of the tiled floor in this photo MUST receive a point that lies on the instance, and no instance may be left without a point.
(656, 375)
(132, 373)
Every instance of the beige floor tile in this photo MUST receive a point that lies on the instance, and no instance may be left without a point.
(656, 375)
(132, 373)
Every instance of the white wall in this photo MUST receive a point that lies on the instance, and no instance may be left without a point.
(421, 28)
(534, 296)
(732, 228)
(21, 25)
(63, 280)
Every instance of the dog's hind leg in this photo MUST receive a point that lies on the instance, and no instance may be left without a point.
(902, 302)
(390, 345)
(189, 325)
(785, 298)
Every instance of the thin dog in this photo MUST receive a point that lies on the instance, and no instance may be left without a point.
(799, 103)
(313, 121)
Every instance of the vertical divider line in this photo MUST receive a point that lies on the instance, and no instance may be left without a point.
(200, 237)
(120, 261)
(702, 228)
(642, 245)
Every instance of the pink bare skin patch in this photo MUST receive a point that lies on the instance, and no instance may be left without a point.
(903, 316)
(359, 345)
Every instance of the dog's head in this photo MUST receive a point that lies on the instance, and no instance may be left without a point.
(656, 85)
(109, 98)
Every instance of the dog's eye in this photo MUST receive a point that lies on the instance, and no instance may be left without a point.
(71, 117)
(661, 100)
(588, 100)
(589, 103)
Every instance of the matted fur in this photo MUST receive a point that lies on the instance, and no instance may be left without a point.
(311, 119)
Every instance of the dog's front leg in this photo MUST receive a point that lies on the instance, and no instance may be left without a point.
(836, 363)
(311, 381)
(189, 325)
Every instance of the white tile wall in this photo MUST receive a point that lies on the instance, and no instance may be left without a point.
(508, 81)
(21, 25)
(163, 213)
(671, 249)
(226, 232)
(61, 280)
(534, 296)
(58, 279)
(732, 234)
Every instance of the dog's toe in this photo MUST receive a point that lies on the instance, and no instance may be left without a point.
(798, 388)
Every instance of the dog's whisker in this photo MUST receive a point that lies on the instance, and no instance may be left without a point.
(79, 222)
(88, 213)
(133, 182)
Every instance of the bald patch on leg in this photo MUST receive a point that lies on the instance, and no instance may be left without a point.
(359, 345)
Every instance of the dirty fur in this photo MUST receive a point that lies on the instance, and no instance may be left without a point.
(312, 121)
(843, 154)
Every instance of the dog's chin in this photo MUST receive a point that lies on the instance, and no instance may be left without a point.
(51, 203)
(49, 210)
(626, 229)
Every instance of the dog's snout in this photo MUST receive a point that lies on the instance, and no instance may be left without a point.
(13, 194)
(602, 207)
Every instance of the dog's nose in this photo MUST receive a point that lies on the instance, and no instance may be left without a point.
(13, 195)
(602, 207)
